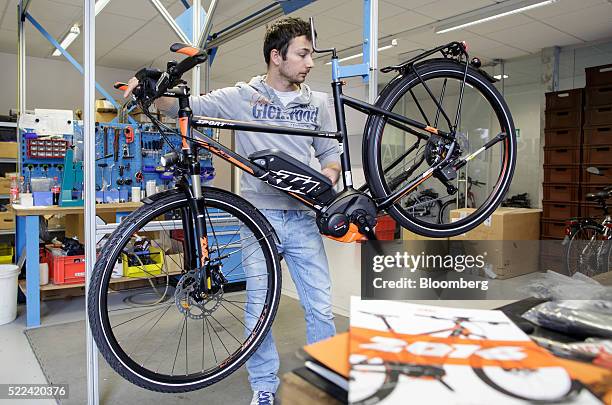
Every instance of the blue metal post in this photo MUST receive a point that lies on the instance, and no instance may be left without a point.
(32, 272)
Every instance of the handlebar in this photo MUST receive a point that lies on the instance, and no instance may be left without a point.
(154, 83)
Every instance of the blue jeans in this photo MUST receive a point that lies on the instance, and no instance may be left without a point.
(302, 248)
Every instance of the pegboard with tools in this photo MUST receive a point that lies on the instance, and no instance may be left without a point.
(127, 156)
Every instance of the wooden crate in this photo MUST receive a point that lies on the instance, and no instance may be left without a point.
(601, 135)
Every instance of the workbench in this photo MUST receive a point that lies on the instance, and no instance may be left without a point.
(27, 242)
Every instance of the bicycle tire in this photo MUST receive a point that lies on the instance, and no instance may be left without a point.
(591, 265)
(444, 216)
(375, 126)
(110, 346)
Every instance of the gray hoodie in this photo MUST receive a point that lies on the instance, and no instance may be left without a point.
(257, 102)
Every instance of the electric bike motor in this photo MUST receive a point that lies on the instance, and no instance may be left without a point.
(349, 207)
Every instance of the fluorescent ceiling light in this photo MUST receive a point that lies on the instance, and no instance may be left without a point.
(499, 77)
(100, 4)
(360, 54)
(68, 39)
(517, 8)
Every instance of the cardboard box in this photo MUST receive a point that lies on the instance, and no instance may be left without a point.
(105, 116)
(504, 224)
(7, 220)
(105, 106)
(5, 185)
(409, 235)
(9, 150)
(517, 229)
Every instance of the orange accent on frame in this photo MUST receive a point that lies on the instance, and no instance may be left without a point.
(204, 247)
(189, 51)
(301, 199)
(225, 156)
(431, 129)
(353, 235)
(183, 123)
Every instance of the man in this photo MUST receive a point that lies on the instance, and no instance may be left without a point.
(280, 98)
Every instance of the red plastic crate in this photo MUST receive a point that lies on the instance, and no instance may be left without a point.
(66, 269)
(385, 228)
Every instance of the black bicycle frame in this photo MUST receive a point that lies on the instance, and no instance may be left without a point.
(340, 100)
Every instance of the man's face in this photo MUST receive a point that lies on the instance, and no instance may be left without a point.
(297, 64)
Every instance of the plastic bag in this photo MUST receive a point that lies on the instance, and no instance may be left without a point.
(574, 317)
(554, 286)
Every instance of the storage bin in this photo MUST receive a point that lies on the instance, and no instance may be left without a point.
(562, 174)
(147, 270)
(553, 228)
(65, 269)
(598, 116)
(561, 192)
(563, 119)
(590, 188)
(560, 210)
(561, 155)
(568, 99)
(385, 228)
(605, 178)
(598, 75)
(43, 198)
(596, 96)
(595, 155)
(6, 254)
(598, 135)
(563, 137)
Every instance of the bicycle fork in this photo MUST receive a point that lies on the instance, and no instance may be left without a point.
(194, 223)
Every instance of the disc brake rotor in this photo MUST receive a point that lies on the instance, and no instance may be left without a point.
(189, 303)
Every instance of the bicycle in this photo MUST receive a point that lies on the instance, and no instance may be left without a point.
(444, 214)
(588, 241)
(209, 252)
(511, 371)
(425, 205)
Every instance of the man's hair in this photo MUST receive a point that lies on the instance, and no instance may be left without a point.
(279, 35)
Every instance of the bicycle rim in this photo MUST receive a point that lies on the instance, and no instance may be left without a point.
(189, 341)
(394, 154)
(588, 252)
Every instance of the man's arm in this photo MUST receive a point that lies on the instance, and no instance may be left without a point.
(326, 149)
(214, 104)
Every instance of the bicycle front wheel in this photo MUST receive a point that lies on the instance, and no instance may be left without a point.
(589, 251)
(194, 338)
(395, 157)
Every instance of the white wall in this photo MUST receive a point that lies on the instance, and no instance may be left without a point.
(52, 83)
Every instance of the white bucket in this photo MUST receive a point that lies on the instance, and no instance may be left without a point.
(8, 292)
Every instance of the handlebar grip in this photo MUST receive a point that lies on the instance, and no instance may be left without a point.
(186, 49)
(120, 86)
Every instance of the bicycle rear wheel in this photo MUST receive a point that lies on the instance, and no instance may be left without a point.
(589, 251)
(394, 157)
(193, 339)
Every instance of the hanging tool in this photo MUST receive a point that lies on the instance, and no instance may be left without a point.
(116, 145)
(139, 177)
(105, 132)
(126, 152)
(103, 166)
(129, 134)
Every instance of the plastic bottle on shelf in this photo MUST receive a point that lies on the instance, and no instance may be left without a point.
(55, 190)
(14, 191)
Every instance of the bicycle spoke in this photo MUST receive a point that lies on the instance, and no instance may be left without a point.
(235, 317)
(210, 338)
(178, 346)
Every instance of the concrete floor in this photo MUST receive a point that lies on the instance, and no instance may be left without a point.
(60, 316)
